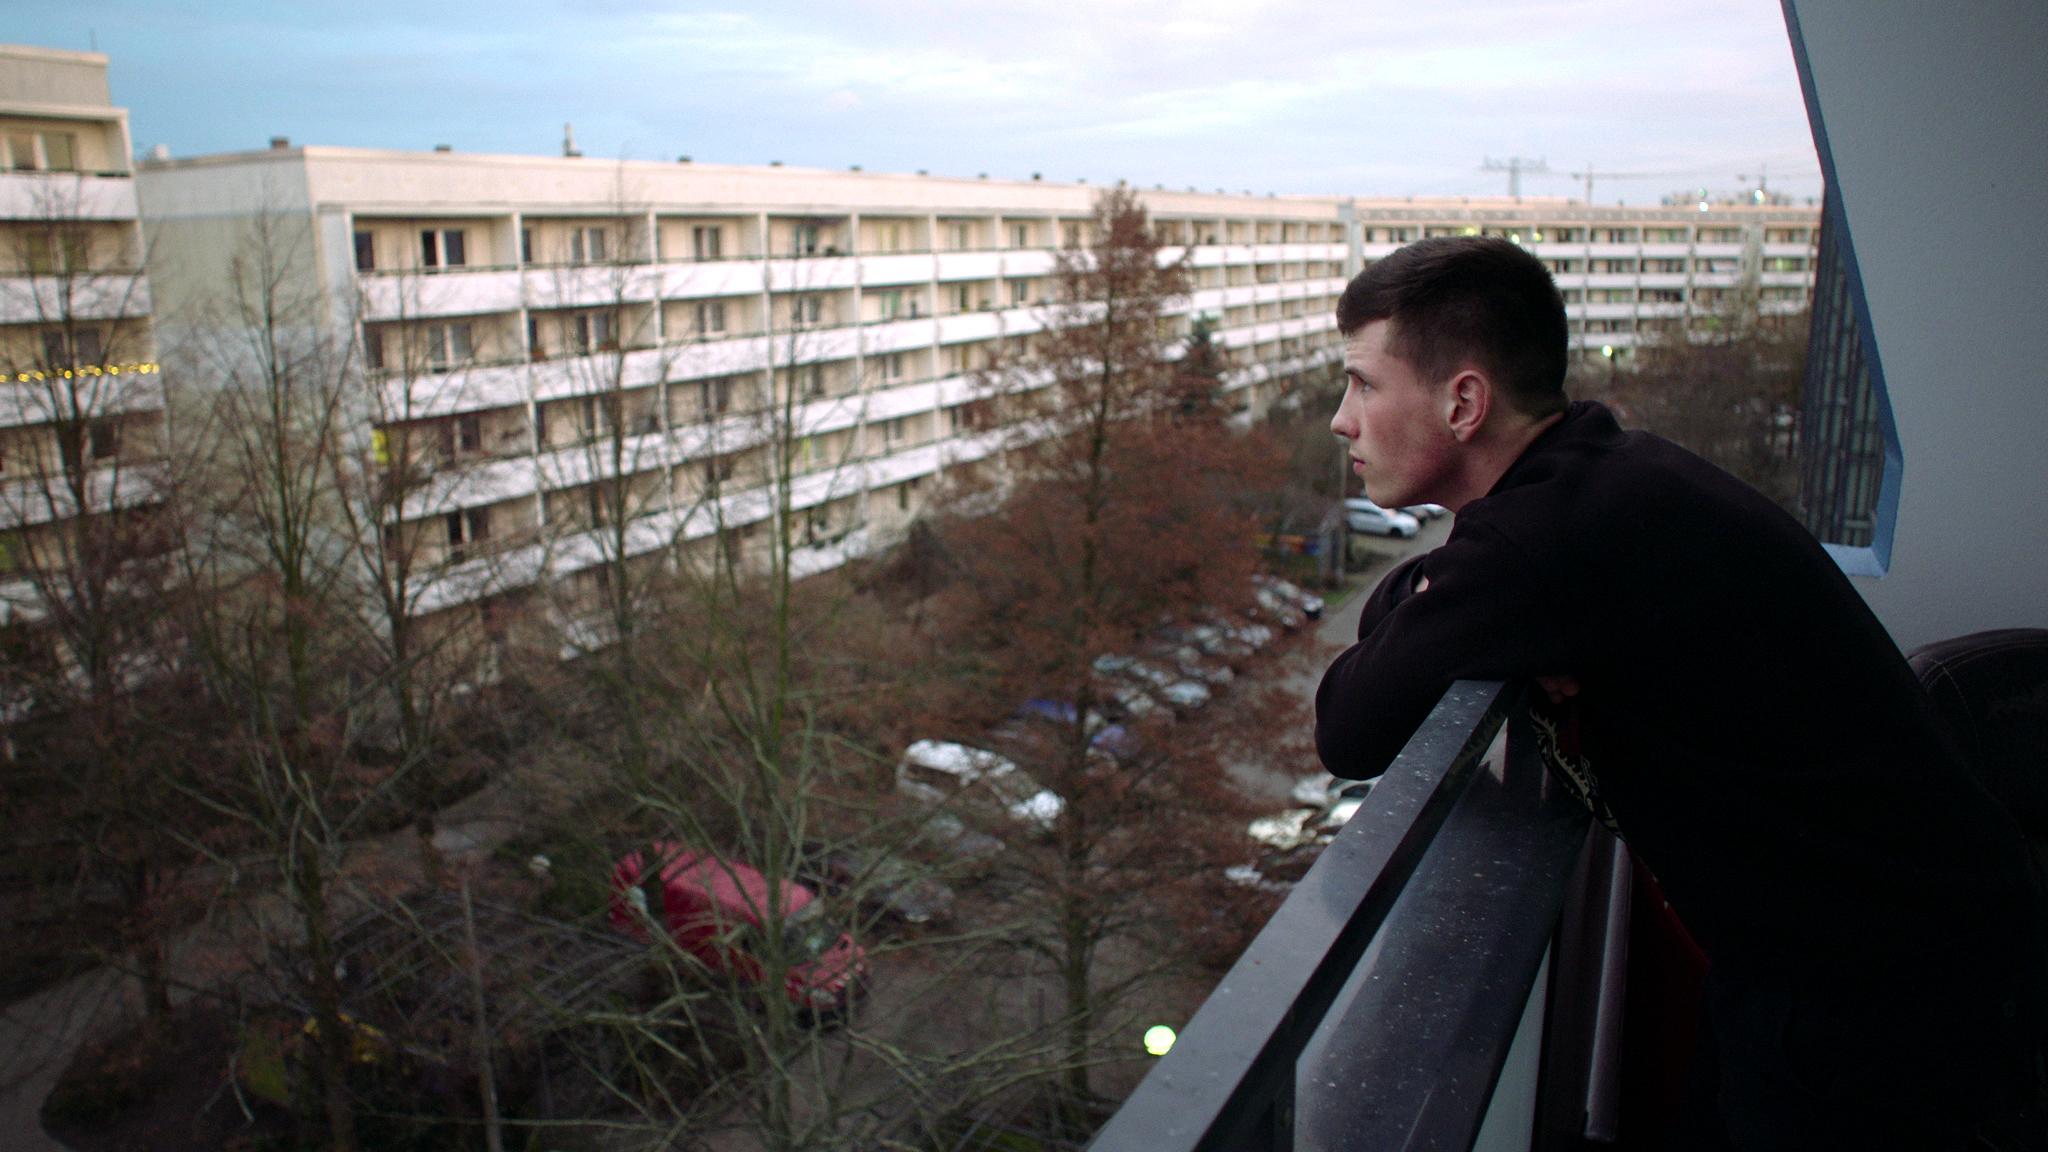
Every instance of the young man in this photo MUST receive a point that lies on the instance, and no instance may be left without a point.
(1716, 691)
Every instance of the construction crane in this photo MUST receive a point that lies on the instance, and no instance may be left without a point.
(1588, 176)
(1514, 166)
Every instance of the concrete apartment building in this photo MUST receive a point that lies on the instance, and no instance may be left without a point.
(536, 333)
(81, 404)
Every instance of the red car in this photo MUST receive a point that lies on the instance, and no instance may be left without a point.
(714, 910)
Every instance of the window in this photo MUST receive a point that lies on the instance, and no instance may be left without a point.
(21, 152)
(448, 344)
(889, 238)
(711, 316)
(588, 246)
(60, 151)
(467, 529)
(892, 366)
(1020, 293)
(443, 248)
(526, 245)
(959, 236)
(534, 348)
(718, 468)
(889, 304)
(83, 348)
(804, 240)
(805, 310)
(105, 436)
(814, 382)
(462, 436)
(373, 349)
(366, 252)
(593, 332)
(893, 431)
(961, 297)
(1020, 236)
(593, 418)
(714, 396)
(707, 241)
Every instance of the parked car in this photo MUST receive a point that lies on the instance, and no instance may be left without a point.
(887, 888)
(1426, 512)
(1188, 660)
(1251, 634)
(1181, 693)
(1308, 824)
(1323, 790)
(1104, 737)
(1273, 606)
(1307, 603)
(936, 770)
(1362, 515)
(714, 911)
(1208, 639)
(1277, 870)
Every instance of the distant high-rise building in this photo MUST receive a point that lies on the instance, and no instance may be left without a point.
(81, 404)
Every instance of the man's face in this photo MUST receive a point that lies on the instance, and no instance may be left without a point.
(1396, 422)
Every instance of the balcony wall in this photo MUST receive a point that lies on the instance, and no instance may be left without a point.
(66, 196)
(54, 298)
(400, 296)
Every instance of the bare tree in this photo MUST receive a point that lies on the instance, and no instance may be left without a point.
(1123, 509)
(84, 548)
(277, 620)
(1725, 384)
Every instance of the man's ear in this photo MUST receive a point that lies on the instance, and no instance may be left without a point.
(1468, 401)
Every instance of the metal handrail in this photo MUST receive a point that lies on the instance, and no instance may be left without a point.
(1377, 1007)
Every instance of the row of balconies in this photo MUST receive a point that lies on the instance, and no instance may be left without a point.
(487, 458)
(470, 290)
(558, 534)
(492, 375)
(524, 557)
(51, 298)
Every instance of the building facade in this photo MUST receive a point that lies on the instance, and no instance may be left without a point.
(549, 344)
(81, 403)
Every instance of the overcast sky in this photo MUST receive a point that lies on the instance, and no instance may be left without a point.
(1362, 97)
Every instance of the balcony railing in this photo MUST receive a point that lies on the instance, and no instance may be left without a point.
(1448, 969)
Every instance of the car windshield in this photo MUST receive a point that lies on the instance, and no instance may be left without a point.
(806, 935)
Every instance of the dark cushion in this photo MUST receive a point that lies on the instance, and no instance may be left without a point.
(1991, 688)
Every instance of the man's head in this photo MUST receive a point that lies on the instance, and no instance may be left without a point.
(1454, 355)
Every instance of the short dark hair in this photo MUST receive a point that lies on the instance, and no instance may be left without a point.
(1454, 300)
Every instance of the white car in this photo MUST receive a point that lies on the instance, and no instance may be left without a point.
(1273, 606)
(1307, 825)
(932, 770)
(1323, 790)
(1362, 515)
(1426, 511)
(1188, 659)
(1180, 693)
(1309, 604)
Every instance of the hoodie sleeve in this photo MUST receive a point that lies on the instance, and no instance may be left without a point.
(1487, 614)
